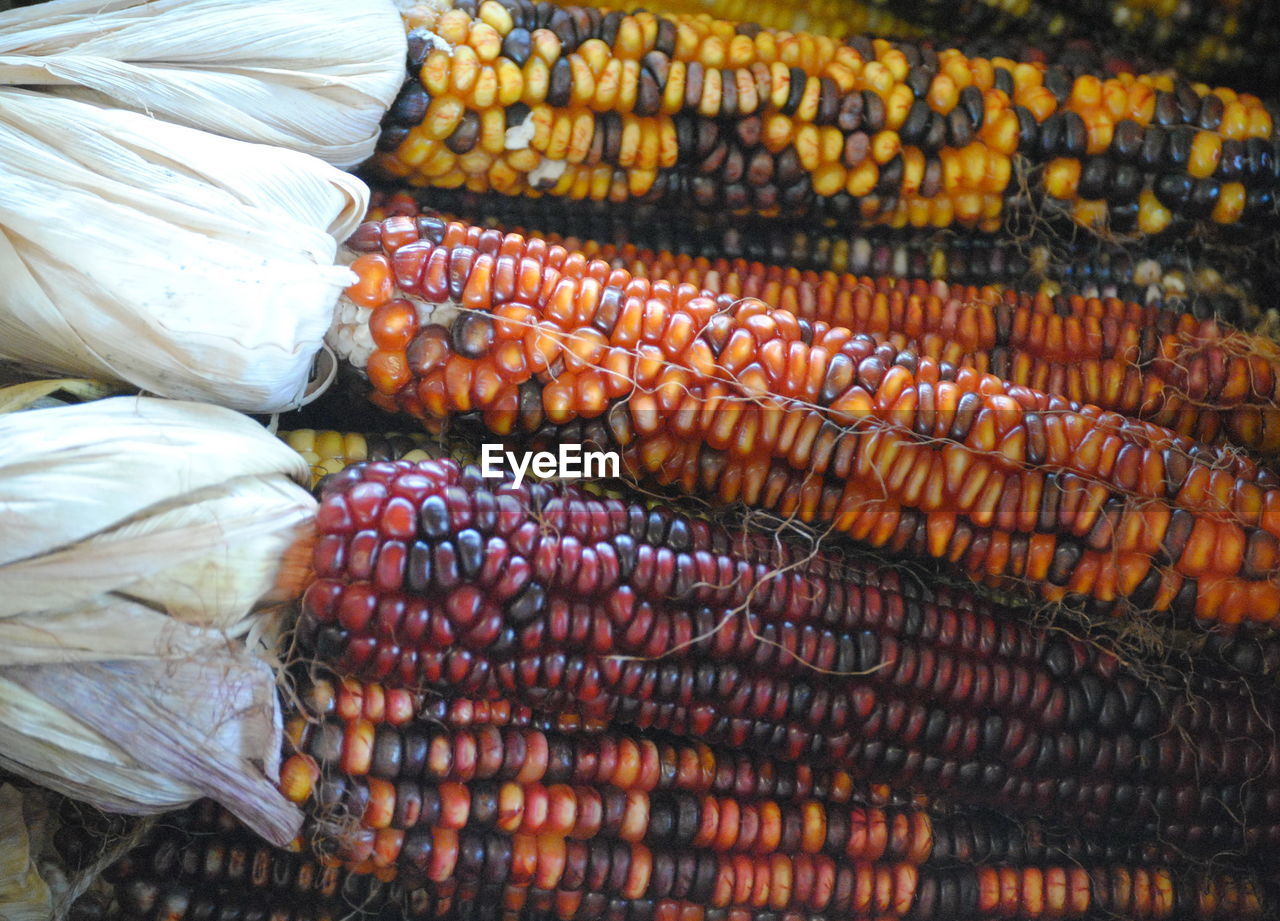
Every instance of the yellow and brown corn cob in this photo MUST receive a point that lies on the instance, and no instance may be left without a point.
(690, 111)
(1174, 276)
(750, 403)
(428, 576)
(1205, 38)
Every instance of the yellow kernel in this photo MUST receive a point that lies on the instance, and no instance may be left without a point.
(453, 27)
(1206, 152)
(1153, 217)
(584, 126)
(877, 78)
(561, 132)
(776, 133)
(1090, 213)
(596, 53)
(913, 164)
(713, 53)
(536, 78)
(687, 41)
(1061, 177)
(712, 93)
(807, 147)
(475, 162)
(546, 45)
(443, 116)
(780, 84)
(485, 93)
(629, 145)
(897, 64)
(640, 181)
(628, 86)
(1086, 92)
(828, 179)
(510, 82)
(523, 161)
(885, 146)
(582, 81)
(542, 118)
(496, 15)
(741, 51)
(898, 105)
(863, 178)
(493, 130)
(808, 108)
(629, 42)
(668, 147)
(416, 147)
(831, 143)
(943, 94)
(435, 73)
(673, 93)
(1230, 204)
(485, 40)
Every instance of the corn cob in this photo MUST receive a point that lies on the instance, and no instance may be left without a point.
(1175, 276)
(638, 818)
(1121, 356)
(690, 111)
(555, 597)
(192, 873)
(1204, 37)
(749, 403)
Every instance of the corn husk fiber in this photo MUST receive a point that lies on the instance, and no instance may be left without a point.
(24, 895)
(140, 543)
(311, 75)
(177, 262)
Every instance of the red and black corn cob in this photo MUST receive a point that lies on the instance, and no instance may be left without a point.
(637, 818)
(432, 577)
(1173, 275)
(740, 400)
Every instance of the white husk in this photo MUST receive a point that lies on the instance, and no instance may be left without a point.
(173, 260)
(137, 537)
(24, 895)
(310, 75)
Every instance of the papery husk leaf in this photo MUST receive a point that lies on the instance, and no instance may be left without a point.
(178, 262)
(311, 75)
(75, 471)
(24, 895)
(207, 562)
(16, 397)
(214, 723)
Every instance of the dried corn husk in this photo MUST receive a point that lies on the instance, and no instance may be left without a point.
(24, 895)
(138, 537)
(310, 75)
(181, 263)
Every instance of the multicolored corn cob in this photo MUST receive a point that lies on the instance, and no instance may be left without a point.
(690, 111)
(739, 400)
(432, 577)
(200, 864)
(1175, 275)
(1205, 38)
(181, 874)
(1121, 356)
